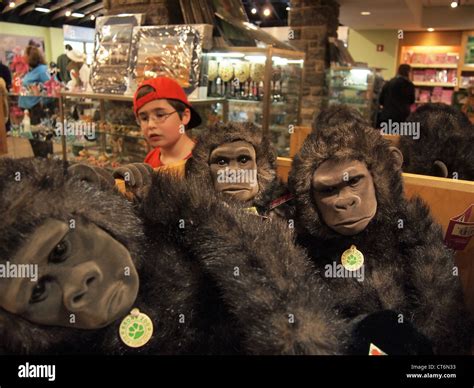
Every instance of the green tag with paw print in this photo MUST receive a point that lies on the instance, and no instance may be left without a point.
(136, 329)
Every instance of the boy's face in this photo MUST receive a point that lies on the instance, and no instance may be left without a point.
(161, 125)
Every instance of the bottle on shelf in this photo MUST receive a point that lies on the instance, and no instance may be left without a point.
(26, 122)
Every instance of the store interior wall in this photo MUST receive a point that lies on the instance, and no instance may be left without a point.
(362, 45)
(53, 37)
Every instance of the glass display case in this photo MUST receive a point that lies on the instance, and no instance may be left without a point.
(100, 129)
(38, 126)
(261, 85)
(352, 86)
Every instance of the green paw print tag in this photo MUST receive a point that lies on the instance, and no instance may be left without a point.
(352, 259)
(136, 329)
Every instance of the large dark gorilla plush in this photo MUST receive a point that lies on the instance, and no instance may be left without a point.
(238, 160)
(349, 200)
(93, 268)
(445, 145)
(98, 270)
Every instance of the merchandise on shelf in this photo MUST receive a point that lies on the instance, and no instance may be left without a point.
(110, 68)
(256, 93)
(352, 86)
(171, 51)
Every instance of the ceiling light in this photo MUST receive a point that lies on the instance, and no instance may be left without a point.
(77, 15)
(431, 29)
(12, 4)
(253, 11)
(288, 8)
(92, 17)
(365, 13)
(42, 9)
(68, 13)
(266, 12)
(454, 4)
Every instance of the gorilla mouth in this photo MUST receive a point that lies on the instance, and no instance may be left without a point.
(352, 222)
(235, 189)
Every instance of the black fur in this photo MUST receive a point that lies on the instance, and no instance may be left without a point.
(275, 278)
(407, 270)
(446, 135)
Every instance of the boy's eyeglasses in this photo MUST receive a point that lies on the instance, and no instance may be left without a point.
(157, 117)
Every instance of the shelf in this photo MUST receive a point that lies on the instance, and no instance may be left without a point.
(434, 66)
(120, 135)
(350, 87)
(443, 84)
(429, 102)
(129, 97)
(467, 68)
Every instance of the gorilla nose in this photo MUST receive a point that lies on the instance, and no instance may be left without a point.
(344, 203)
(80, 285)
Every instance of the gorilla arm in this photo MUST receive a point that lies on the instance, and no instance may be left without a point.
(268, 283)
(437, 307)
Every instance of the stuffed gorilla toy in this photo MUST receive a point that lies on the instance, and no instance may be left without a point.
(110, 282)
(445, 146)
(381, 254)
(239, 161)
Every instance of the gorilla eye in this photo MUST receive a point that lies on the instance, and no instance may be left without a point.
(221, 162)
(354, 181)
(328, 190)
(243, 159)
(38, 293)
(60, 252)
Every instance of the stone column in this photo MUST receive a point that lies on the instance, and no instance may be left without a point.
(311, 23)
(158, 12)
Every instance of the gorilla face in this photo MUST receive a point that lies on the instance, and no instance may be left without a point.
(344, 194)
(86, 278)
(234, 170)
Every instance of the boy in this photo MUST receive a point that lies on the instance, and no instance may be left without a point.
(163, 113)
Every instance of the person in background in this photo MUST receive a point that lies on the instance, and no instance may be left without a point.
(62, 62)
(397, 96)
(37, 75)
(6, 75)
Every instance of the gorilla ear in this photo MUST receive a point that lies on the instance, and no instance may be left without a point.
(440, 169)
(397, 156)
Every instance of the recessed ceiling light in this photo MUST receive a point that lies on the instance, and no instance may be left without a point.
(365, 13)
(77, 15)
(454, 4)
(288, 8)
(68, 13)
(12, 4)
(92, 17)
(430, 29)
(253, 11)
(42, 9)
(266, 12)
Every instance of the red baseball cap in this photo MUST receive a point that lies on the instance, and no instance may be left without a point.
(165, 88)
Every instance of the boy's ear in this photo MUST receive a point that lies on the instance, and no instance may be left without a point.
(186, 116)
